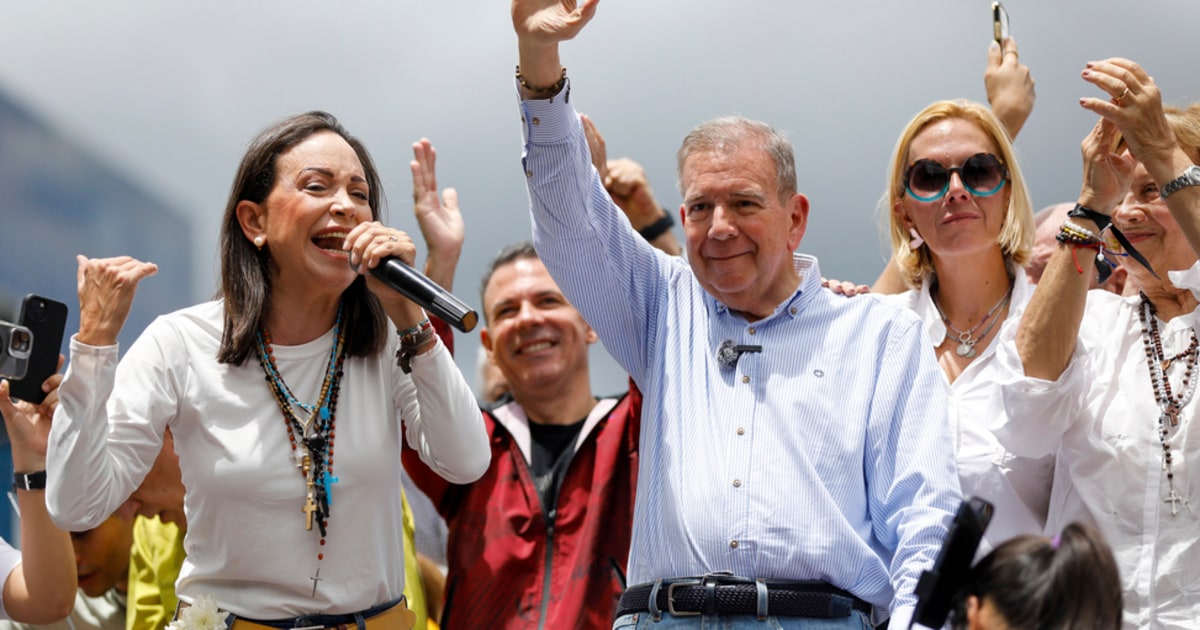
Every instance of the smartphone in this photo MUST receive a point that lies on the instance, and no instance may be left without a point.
(46, 319)
(999, 23)
(16, 344)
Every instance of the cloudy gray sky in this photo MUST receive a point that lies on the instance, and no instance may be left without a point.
(169, 93)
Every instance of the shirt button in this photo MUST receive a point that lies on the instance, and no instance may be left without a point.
(733, 544)
(792, 310)
(737, 483)
(528, 173)
(741, 431)
(745, 379)
(750, 330)
(536, 121)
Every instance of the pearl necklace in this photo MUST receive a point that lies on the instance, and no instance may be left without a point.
(1170, 404)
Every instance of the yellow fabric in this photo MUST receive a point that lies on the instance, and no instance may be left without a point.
(154, 564)
(414, 591)
(157, 556)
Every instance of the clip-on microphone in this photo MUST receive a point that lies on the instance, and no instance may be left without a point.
(728, 353)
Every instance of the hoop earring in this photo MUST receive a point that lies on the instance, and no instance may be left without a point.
(259, 241)
(916, 241)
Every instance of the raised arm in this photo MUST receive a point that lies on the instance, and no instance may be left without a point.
(1049, 328)
(629, 187)
(1009, 86)
(540, 26)
(42, 588)
(1137, 112)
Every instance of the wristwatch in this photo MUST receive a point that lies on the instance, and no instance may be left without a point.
(29, 481)
(1190, 177)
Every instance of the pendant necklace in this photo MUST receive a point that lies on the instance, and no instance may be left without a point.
(1170, 405)
(965, 338)
(314, 453)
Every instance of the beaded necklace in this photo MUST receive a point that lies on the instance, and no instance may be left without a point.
(1170, 404)
(966, 340)
(316, 432)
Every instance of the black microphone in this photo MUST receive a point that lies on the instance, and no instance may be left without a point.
(415, 286)
(938, 587)
(728, 353)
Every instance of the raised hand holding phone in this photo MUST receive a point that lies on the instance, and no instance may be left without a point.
(1009, 84)
(46, 319)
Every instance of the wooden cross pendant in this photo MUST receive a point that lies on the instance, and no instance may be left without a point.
(310, 505)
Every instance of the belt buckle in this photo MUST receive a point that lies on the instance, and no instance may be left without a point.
(671, 598)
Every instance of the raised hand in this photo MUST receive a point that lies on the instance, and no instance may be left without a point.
(28, 424)
(439, 217)
(548, 22)
(540, 26)
(1134, 105)
(1106, 174)
(106, 288)
(1009, 86)
(629, 187)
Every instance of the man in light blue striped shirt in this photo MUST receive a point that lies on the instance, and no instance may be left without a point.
(794, 445)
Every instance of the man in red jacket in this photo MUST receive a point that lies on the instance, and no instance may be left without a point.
(541, 541)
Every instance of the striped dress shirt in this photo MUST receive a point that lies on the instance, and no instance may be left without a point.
(826, 456)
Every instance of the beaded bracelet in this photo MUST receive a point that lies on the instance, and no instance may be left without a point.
(543, 91)
(1069, 227)
(411, 340)
(410, 332)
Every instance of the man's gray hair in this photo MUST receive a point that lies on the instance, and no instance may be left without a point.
(730, 133)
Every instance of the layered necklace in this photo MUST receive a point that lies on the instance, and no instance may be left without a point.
(1170, 403)
(310, 429)
(966, 338)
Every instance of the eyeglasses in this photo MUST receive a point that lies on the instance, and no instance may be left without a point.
(983, 175)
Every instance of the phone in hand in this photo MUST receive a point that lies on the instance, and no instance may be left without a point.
(999, 23)
(46, 319)
(16, 344)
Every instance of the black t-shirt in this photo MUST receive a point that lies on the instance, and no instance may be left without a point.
(551, 449)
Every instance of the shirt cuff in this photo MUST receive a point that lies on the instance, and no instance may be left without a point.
(547, 121)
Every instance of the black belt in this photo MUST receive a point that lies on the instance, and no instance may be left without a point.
(726, 595)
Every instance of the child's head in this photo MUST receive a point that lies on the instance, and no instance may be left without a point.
(1070, 581)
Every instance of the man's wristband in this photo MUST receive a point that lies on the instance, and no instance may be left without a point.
(29, 481)
(658, 228)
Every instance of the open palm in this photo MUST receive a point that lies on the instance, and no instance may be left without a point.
(551, 21)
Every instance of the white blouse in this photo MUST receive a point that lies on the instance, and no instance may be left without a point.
(1101, 418)
(246, 543)
(1018, 487)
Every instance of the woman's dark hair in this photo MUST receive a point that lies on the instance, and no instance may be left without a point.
(1035, 582)
(246, 271)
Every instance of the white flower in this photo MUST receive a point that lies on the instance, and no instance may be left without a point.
(203, 614)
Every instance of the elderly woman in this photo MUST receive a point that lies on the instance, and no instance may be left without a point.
(1107, 381)
(261, 387)
(961, 229)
